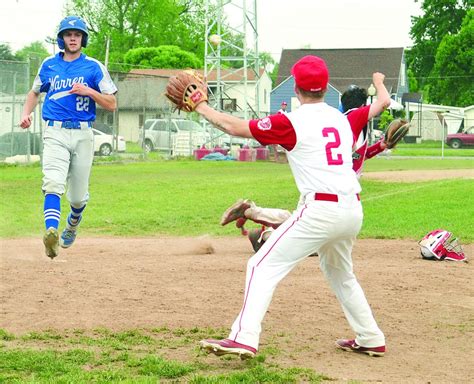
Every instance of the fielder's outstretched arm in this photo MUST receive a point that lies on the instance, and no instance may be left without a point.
(224, 122)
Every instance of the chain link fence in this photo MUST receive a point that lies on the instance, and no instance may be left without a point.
(148, 123)
(14, 141)
(145, 125)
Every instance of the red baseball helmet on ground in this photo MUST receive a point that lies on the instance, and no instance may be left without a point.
(441, 245)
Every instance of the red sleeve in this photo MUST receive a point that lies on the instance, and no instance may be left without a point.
(274, 129)
(358, 119)
(374, 149)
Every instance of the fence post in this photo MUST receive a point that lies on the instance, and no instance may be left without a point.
(13, 113)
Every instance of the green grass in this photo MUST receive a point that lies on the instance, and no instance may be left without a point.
(133, 147)
(142, 356)
(187, 198)
(431, 148)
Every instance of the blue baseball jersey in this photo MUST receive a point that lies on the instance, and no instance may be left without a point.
(56, 77)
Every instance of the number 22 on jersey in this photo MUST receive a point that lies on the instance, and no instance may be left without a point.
(333, 144)
(82, 103)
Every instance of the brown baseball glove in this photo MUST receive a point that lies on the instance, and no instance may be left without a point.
(396, 131)
(186, 90)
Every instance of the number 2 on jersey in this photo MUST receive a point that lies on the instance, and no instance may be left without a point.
(82, 103)
(333, 157)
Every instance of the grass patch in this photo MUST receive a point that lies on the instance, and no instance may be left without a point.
(431, 148)
(187, 198)
(80, 356)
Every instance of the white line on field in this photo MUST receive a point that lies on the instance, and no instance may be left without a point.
(398, 192)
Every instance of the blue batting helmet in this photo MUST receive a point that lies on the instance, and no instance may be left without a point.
(72, 22)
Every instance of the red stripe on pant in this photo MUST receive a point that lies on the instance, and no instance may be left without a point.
(252, 274)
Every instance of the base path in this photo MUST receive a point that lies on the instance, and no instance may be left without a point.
(424, 307)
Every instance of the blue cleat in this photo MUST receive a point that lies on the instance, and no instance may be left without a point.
(67, 238)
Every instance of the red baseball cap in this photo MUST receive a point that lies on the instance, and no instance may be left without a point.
(310, 73)
(284, 103)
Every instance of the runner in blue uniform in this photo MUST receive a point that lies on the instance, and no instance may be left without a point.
(73, 83)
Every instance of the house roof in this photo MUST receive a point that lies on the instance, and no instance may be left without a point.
(227, 75)
(349, 66)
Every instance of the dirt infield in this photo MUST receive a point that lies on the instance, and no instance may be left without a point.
(425, 308)
(426, 175)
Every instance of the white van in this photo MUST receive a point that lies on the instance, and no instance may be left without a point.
(178, 136)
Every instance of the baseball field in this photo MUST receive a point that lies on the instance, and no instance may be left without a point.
(153, 272)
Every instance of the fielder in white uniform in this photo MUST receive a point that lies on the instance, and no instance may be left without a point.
(73, 83)
(353, 103)
(318, 140)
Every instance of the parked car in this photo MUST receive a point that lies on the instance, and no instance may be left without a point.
(461, 139)
(163, 134)
(103, 127)
(104, 143)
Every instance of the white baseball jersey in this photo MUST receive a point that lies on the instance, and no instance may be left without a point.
(319, 142)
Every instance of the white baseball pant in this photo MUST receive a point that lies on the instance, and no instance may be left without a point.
(326, 227)
(67, 158)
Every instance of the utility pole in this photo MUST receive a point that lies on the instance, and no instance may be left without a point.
(225, 20)
(107, 48)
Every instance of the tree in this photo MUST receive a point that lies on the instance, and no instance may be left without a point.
(412, 81)
(34, 53)
(385, 119)
(132, 24)
(440, 18)
(453, 71)
(6, 53)
(164, 56)
(274, 73)
(34, 50)
(13, 73)
(266, 60)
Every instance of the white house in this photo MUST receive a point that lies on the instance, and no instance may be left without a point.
(141, 96)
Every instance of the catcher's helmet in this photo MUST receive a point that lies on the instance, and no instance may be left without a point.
(69, 23)
(441, 245)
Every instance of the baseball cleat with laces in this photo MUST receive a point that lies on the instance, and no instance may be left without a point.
(352, 346)
(235, 211)
(50, 241)
(227, 347)
(67, 238)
